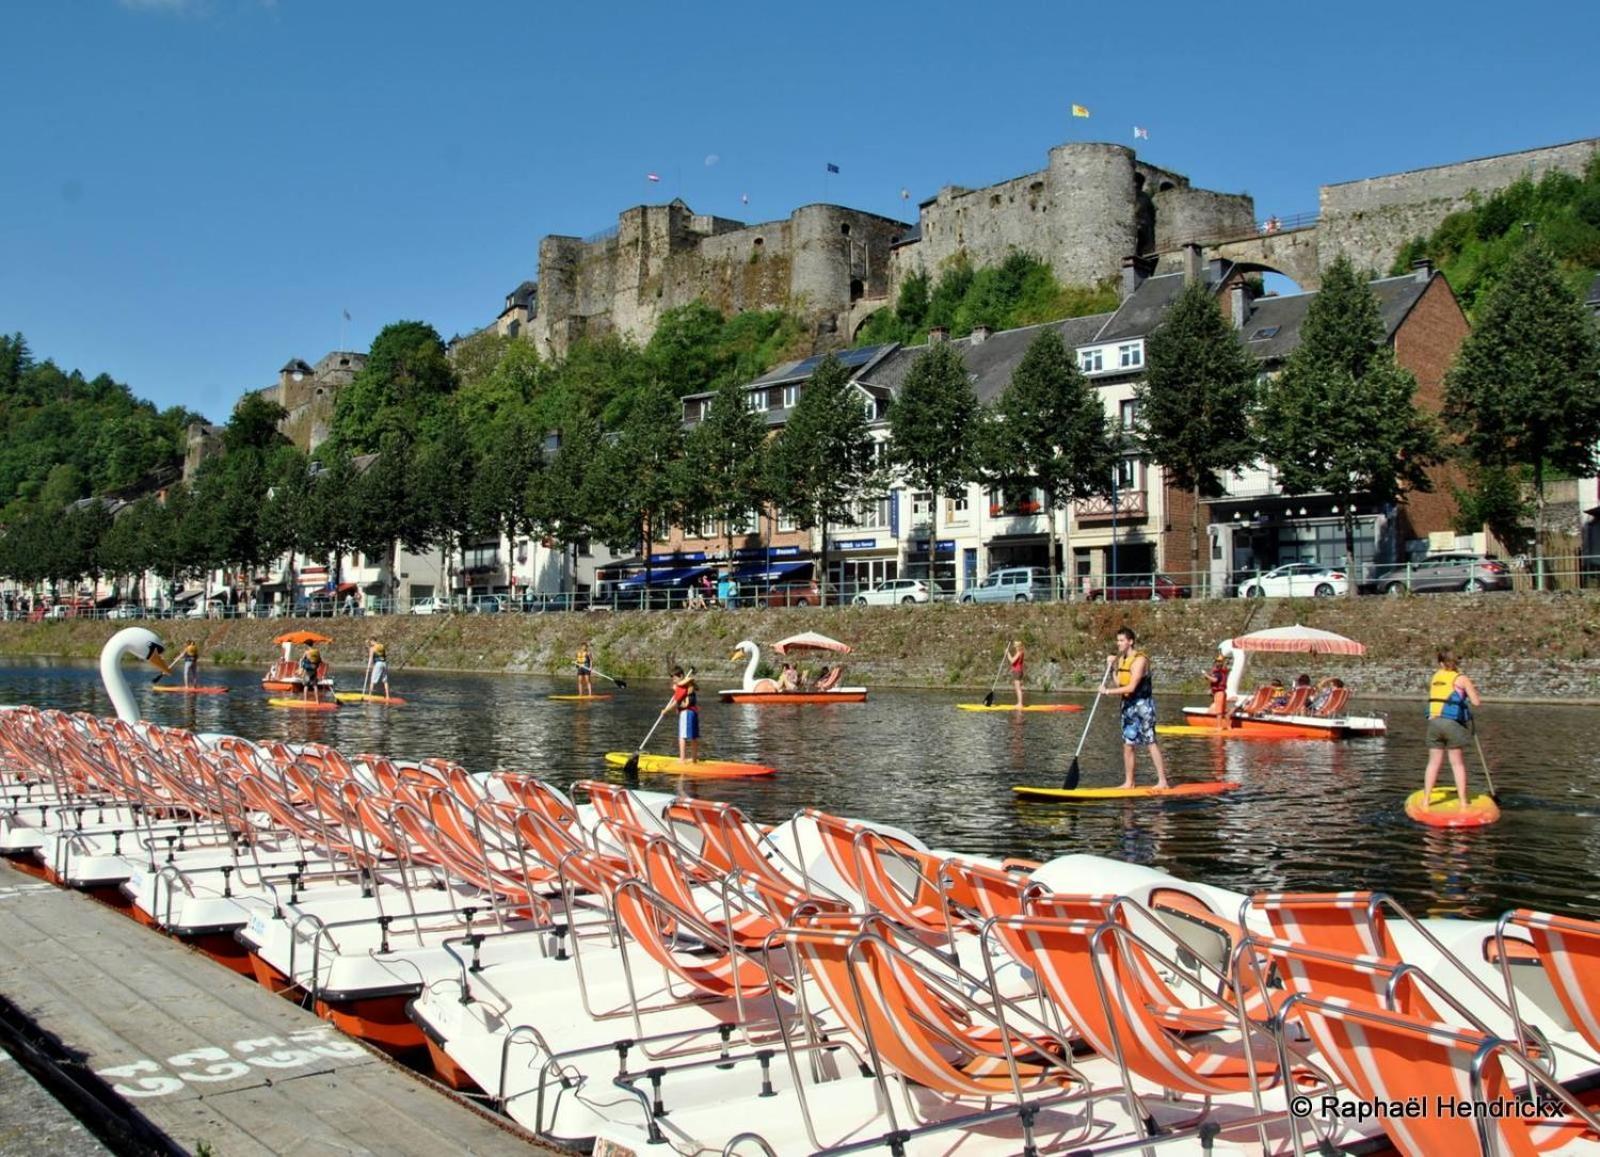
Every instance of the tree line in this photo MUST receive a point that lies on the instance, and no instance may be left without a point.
(432, 450)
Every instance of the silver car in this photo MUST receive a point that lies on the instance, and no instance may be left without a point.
(1012, 584)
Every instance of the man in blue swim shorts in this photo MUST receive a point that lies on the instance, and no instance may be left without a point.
(1133, 684)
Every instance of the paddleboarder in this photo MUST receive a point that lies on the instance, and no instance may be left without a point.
(310, 664)
(1219, 685)
(1015, 656)
(1451, 698)
(1133, 684)
(585, 661)
(191, 659)
(378, 667)
(685, 700)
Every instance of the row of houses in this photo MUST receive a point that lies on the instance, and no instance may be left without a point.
(1145, 528)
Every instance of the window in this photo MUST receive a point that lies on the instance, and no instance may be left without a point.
(743, 522)
(955, 509)
(880, 454)
(1127, 474)
(1131, 355)
(1013, 502)
(873, 511)
(791, 397)
(695, 527)
(757, 401)
(921, 506)
(1091, 361)
(1128, 413)
(871, 409)
(786, 521)
(582, 547)
(1265, 332)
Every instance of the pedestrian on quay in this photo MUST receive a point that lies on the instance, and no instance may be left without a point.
(1134, 685)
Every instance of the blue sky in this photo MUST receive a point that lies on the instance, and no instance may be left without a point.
(193, 191)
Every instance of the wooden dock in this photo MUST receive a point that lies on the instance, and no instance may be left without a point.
(175, 1053)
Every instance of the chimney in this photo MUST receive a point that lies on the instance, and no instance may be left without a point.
(1239, 298)
(979, 334)
(1422, 270)
(938, 335)
(1134, 271)
(1191, 262)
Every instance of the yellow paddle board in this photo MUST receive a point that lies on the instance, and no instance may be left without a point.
(1014, 707)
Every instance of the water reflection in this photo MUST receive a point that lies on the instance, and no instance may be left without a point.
(1308, 814)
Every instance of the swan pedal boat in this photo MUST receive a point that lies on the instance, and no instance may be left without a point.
(766, 691)
(631, 1011)
(1204, 722)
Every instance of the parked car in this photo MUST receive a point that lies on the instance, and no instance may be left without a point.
(1449, 571)
(126, 611)
(1296, 580)
(432, 605)
(1012, 584)
(488, 604)
(1139, 586)
(893, 591)
(802, 594)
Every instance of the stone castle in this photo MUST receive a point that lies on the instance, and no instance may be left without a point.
(1092, 209)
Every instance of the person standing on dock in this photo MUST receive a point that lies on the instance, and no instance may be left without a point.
(1016, 656)
(685, 699)
(585, 662)
(191, 659)
(377, 667)
(1135, 686)
(1451, 698)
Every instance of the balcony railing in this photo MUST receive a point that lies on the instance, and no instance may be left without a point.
(1130, 504)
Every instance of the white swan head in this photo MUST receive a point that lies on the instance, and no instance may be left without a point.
(747, 648)
(143, 645)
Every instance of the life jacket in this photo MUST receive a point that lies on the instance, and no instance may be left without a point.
(687, 697)
(1446, 700)
(379, 653)
(191, 652)
(311, 658)
(1125, 671)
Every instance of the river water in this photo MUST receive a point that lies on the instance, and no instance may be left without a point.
(1309, 815)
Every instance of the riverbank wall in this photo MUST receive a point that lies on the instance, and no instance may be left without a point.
(1516, 645)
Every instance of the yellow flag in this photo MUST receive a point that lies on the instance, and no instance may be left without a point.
(1079, 111)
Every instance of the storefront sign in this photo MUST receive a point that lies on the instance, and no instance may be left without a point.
(856, 543)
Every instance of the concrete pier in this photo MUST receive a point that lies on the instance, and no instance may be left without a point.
(194, 1058)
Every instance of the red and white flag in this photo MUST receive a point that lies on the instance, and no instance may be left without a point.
(1140, 134)
(651, 177)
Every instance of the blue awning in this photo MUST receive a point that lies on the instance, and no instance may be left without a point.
(762, 572)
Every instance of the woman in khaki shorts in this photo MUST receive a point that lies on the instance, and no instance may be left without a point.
(1451, 698)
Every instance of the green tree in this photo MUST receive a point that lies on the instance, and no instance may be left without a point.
(1522, 392)
(402, 389)
(725, 462)
(934, 421)
(1497, 499)
(384, 510)
(823, 463)
(1195, 402)
(443, 489)
(566, 496)
(1048, 429)
(1342, 417)
(644, 466)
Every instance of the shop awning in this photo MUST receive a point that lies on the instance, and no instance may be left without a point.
(760, 572)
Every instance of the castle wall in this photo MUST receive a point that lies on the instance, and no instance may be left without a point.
(1369, 220)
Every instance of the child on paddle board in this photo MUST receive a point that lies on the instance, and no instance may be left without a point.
(585, 661)
(378, 664)
(685, 700)
(1138, 706)
(1451, 698)
(191, 659)
(1016, 656)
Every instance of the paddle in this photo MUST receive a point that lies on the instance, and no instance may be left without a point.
(988, 700)
(1494, 795)
(621, 684)
(631, 768)
(366, 680)
(1071, 782)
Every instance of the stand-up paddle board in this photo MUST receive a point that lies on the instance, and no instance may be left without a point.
(363, 697)
(577, 698)
(705, 769)
(1445, 810)
(1096, 794)
(1014, 707)
(304, 704)
(180, 689)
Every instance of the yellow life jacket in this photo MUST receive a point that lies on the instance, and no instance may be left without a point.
(379, 651)
(191, 651)
(1125, 673)
(1444, 700)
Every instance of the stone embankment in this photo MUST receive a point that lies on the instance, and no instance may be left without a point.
(1516, 645)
